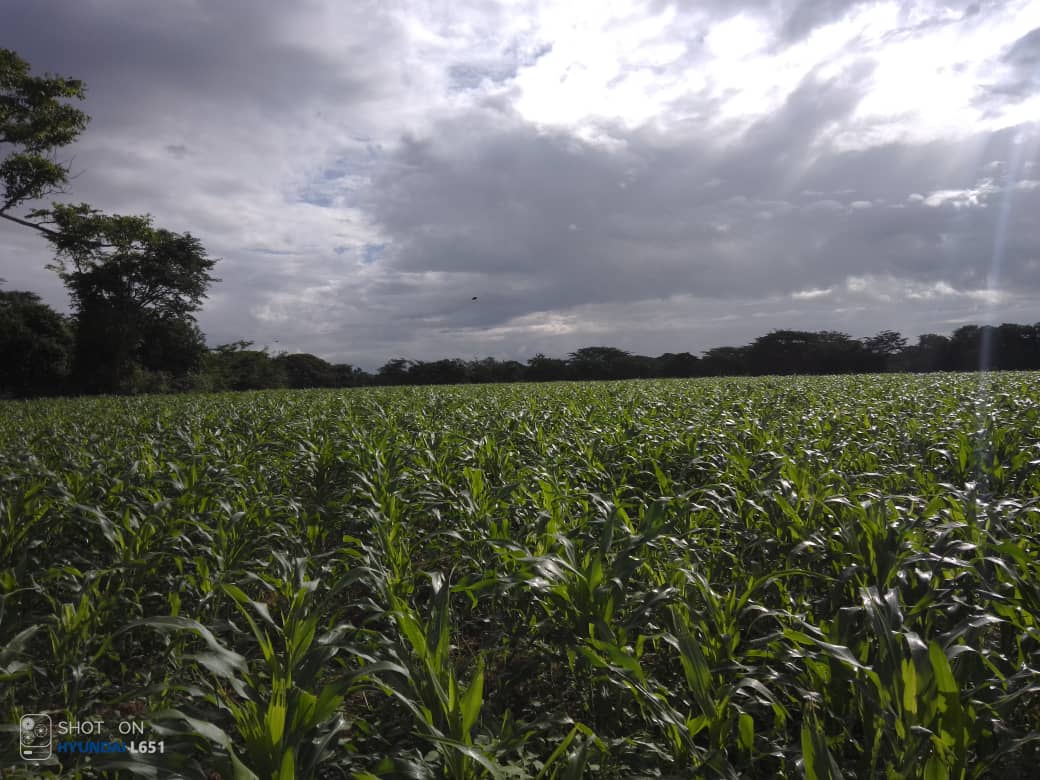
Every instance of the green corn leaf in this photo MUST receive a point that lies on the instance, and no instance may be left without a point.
(472, 700)
(909, 673)
(816, 756)
(746, 732)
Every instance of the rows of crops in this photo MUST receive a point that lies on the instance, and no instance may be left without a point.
(827, 577)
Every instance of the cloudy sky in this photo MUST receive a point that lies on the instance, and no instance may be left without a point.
(648, 175)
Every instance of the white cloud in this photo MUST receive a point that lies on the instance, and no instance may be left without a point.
(891, 289)
(738, 37)
(974, 197)
(808, 295)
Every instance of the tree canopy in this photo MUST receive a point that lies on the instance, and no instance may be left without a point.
(125, 263)
(35, 345)
(134, 287)
(35, 120)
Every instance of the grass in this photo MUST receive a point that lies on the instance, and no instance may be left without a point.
(799, 577)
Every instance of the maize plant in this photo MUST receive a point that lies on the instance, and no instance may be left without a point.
(818, 577)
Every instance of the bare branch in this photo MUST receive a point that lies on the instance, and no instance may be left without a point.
(47, 231)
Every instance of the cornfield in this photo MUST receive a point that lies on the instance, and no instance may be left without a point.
(832, 577)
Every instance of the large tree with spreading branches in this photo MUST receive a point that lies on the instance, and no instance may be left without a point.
(134, 287)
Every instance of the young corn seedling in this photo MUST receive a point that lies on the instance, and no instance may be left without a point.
(445, 709)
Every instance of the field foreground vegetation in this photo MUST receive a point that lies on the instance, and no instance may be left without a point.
(819, 577)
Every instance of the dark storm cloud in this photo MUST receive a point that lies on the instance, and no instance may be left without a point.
(1026, 51)
(778, 148)
(1023, 77)
(468, 75)
(180, 55)
(584, 222)
(806, 16)
(557, 223)
(364, 170)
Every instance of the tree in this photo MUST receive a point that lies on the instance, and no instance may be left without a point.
(304, 370)
(134, 287)
(546, 369)
(171, 348)
(347, 375)
(131, 285)
(394, 372)
(602, 363)
(804, 352)
(677, 365)
(883, 348)
(725, 361)
(491, 370)
(1019, 346)
(451, 371)
(34, 120)
(931, 353)
(835, 352)
(237, 367)
(35, 345)
(966, 349)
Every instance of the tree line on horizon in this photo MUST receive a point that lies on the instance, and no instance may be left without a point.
(37, 358)
(135, 289)
(781, 352)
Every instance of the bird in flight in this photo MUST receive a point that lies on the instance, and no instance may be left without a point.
(473, 298)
